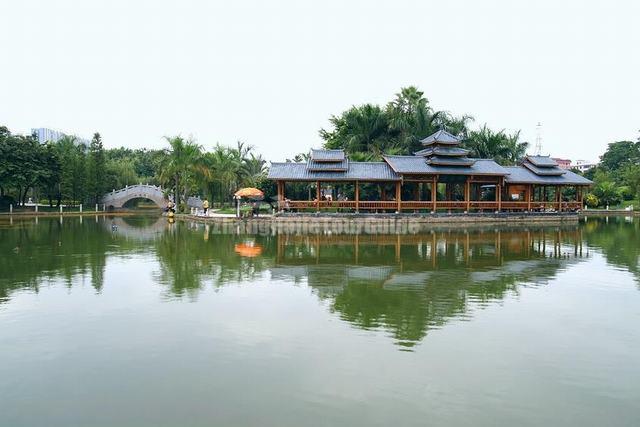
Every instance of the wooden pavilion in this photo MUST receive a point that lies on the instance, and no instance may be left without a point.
(441, 176)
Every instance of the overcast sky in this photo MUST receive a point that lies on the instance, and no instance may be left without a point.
(271, 73)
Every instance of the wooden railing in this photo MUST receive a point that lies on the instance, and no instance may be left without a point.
(387, 205)
(381, 205)
(416, 205)
(323, 204)
(489, 205)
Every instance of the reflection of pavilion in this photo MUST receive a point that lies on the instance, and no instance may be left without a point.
(473, 249)
(409, 284)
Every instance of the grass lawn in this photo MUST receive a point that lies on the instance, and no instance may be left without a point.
(264, 208)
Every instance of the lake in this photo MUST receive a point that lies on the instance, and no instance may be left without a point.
(133, 321)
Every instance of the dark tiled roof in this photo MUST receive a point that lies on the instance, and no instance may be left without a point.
(442, 151)
(442, 137)
(450, 161)
(316, 166)
(542, 161)
(364, 171)
(548, 171)
(522, 175)
(418, 165)
(327, 155)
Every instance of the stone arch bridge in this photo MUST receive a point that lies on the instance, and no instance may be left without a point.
(117, 198)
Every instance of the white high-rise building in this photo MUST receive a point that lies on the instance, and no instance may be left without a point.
(44, 135)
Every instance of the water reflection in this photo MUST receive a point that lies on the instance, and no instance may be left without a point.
(413, 283)
(618, 239)
(406, 284)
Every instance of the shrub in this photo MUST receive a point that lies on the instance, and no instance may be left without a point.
(591, 200)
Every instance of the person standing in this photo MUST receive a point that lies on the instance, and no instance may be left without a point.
(205, 206)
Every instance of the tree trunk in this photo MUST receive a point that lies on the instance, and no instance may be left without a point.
(59, 196)
(176, 195)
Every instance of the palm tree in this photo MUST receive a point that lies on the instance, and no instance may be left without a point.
(368, 131)
(514, 150)
(224, 164)
(358, 129)
(487, 144)
(253, 170)
(183, 163)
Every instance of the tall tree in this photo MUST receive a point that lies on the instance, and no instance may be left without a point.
(50, 178)
(79, 174)
(96, 169)
(368, 131)
(182, 163)
(619, 154)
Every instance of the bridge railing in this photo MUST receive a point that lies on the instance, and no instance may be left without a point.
(132, 188)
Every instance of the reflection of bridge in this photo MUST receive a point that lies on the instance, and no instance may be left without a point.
(118, 198)
(142, 232)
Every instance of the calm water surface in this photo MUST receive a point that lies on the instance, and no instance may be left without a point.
(137, 322)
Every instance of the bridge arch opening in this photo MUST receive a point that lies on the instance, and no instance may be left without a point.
(142, 203)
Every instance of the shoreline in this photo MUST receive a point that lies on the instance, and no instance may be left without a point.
(611, 212)
(71, 214)
(504, 218)
(452, 219)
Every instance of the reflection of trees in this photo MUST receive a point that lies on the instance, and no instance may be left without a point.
(404, 284)
(189, 256)
(54, 249)
(619, 240)
(411, 284)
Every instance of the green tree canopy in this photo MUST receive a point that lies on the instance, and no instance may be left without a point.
(368, 131)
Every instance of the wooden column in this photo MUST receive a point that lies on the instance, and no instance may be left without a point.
(280, 198)
(529, 196)
(357, 196)
(499, 195)
(398, 196)
(318, 195)
(434, 193)
(581, 197)
(558, 198)
(467, 193)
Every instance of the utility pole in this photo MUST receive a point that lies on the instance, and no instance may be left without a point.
(538, 147)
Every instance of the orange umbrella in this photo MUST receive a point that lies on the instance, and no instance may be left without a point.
(249, 192)
(248, 250)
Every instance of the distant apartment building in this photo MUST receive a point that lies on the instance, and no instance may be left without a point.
(563, 163)
(583, 165)
(44, 135)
